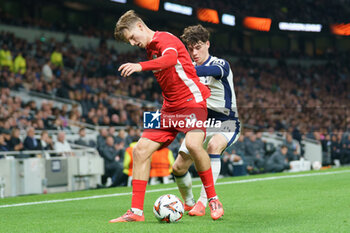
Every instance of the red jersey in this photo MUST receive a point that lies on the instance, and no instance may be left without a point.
(180, 84)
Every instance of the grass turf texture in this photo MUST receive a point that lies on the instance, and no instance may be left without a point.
(303, 204)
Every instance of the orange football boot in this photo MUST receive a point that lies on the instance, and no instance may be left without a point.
(129, 216)
(188, 208)
(197, 210)
(216, 209)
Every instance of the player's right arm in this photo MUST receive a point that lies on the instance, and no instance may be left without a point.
(166, 45)
(167, 60)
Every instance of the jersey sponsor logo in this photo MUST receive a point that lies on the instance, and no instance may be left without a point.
(219, 62)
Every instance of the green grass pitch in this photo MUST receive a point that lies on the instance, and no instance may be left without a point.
(312, 203)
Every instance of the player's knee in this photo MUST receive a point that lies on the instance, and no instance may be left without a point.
(193, 147)
(215, 147)
(178, 170)
(139, 153)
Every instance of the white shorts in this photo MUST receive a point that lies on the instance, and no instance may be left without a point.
(230, 129)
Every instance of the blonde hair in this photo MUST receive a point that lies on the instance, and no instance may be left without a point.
(125, 22)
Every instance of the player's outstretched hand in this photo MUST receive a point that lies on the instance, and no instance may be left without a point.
(128, 68)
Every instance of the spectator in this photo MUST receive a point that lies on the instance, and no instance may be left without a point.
(111, 132)
(293, 148)
(346, 150)
(254, 160)
(335, 150)
(278, 161)
(233, 158)
(15, 143)
(121, 137)
(260, 144)
(30, 142)
(62, 147)
(131, 135)
(3, 144)
(5, 58)
(46, 143)
(101, 139)
(115, 120)
(57, 58)
(228, 159)
(326, 150)
(83, 141)
(239, 147)
(113, 157)
(47, 72)
(20, 65)
(7, 137)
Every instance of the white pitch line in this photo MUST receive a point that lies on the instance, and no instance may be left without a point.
(174, 188)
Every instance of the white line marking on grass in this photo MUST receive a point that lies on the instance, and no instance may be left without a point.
(173, 188)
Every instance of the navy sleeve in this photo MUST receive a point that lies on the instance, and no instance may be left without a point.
(208, 71)
(218, 69)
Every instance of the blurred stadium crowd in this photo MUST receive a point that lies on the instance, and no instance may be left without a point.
(296, 101)
(321, 11)
(311, 12)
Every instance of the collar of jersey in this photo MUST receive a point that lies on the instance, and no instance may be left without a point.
(154, 36)
(207, 61)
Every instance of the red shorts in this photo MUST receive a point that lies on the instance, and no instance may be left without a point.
(179, 120)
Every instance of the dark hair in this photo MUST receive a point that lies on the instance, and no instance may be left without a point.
(194, 34)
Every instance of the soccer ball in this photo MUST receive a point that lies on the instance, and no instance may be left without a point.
(316, 165)
(168, 208)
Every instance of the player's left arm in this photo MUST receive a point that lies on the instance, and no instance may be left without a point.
(128, 68)
(168, 59)
(218, 69)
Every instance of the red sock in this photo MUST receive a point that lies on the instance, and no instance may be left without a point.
(208, 182)
(138, 193)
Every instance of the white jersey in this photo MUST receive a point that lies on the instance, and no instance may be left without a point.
(223, 97)
(222, 102)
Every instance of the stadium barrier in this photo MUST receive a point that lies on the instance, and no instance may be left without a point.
(21, 176)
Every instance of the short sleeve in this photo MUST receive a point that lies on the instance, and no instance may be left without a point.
(166, 41)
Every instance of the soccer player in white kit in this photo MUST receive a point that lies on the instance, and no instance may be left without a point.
(217, 75)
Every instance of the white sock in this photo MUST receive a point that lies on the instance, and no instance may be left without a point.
(184, 183)
(137, 211)
(215, 168)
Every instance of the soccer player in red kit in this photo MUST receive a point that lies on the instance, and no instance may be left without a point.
(183, 94)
